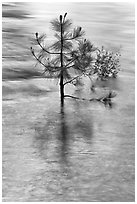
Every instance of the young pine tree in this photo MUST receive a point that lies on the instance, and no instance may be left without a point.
(69, 57)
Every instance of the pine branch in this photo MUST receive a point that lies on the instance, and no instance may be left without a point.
(69, 66)
(43, 47)
(77, 33)
(72, 79)
(66, 66)
(52, 68)
(56, 24)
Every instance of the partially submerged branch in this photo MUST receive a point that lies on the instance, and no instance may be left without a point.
(84, 99)
(104, 99)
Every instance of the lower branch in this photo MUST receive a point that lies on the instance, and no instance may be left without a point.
(105, 99)
(74, 97)
(84, 99)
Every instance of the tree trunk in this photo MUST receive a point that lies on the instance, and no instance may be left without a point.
(61, 60)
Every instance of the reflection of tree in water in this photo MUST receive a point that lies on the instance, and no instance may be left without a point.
(61, 139)
(56, 134)
(63, 136)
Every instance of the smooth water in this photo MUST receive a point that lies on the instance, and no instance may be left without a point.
(86, 152)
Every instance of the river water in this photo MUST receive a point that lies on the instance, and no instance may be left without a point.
(86, 153)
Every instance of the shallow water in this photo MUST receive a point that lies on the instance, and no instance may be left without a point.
(85, 153)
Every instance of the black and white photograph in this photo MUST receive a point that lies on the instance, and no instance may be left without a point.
(68, 101)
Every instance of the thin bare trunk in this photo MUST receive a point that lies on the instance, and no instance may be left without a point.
(61, 60)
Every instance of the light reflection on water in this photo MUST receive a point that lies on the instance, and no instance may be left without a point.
(86, 152)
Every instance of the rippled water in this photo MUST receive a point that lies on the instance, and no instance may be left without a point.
(85, 153)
